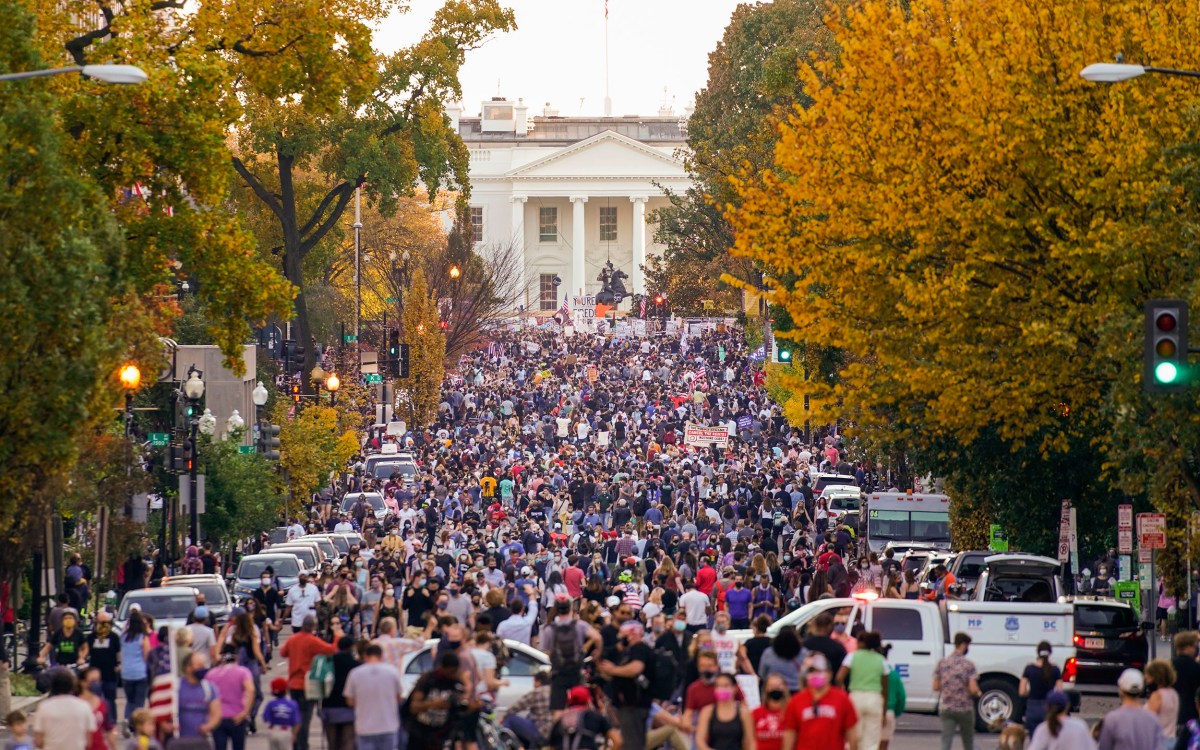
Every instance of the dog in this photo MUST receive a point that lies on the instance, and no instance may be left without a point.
(1012, 737)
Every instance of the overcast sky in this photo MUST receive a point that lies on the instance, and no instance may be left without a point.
(556, 54)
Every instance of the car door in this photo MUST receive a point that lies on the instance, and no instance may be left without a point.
(519, 672)
(417, 665)
(911, 630)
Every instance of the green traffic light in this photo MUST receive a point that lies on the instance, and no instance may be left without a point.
(785, 355)
(1166, 372)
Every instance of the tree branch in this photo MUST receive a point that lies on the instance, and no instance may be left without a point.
(307, 244)
(263, 194)
(320, 211)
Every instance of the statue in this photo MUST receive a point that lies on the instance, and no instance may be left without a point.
(612, 289)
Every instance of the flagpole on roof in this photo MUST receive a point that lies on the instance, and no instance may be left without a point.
(607, 98)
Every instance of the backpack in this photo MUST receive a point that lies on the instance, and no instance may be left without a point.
(192, 566)
(499, 652)
(572, 729)
(318, 684)
(565, 652)
(662, 675)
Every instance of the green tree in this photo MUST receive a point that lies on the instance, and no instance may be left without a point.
(312, 446)
(417, 396)
(336, 110)
(242, 492)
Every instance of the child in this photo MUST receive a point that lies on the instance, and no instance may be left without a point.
(18, 727)
(142, 724)
(282, 716)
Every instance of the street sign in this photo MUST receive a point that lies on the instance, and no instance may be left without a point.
(998, 539)
(246, 449)
(373, 378)
(1152, 531)
(1064, 532)
(160, 439)
(349, 338)
(1128, 592)
(1125, 529)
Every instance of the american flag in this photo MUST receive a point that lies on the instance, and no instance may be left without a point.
(643, 306)
(701, 379)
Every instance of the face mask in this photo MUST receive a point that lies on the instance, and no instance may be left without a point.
(776, 695)
(103, 628)
(420, 582)
(817, 680)
(452, 645)
(723, 694)
(708, 676)
(95, 687)
(680, 626)
(443, 605)
(721, 627)
(390, 592)
(839, 628)
(199, 674)
(266, 581)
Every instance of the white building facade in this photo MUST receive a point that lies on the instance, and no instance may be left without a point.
(570, 193)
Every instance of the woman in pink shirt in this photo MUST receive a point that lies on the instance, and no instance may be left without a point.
(235, 687)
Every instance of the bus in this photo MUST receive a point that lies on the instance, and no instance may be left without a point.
(907, 519)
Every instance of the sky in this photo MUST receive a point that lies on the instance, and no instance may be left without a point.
(556, 54)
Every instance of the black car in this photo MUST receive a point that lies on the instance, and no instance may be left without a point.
(1109, 638)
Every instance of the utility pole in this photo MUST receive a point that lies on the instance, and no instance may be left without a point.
(357, 269)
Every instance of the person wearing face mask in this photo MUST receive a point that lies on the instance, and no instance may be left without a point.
(726, 724)
(103, 654)
(768, 716)
(631, 674)
(956, 679)
(100, 738)
(821, 716)
(820, 639)
(699, 693)
(731, 655)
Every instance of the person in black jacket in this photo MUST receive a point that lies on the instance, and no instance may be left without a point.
(1187, 680)
(337, 717)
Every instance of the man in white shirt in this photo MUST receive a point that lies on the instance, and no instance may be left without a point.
(695, 604)
(343, 526)
(204, 640)
(62, 721)
(519, 625)
(295, 531)
(302, 601)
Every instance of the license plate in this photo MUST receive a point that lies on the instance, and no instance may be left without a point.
(1093, 643)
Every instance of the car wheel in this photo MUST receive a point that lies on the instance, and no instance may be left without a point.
(997, 704)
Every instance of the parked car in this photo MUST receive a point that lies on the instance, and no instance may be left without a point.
(1109, 638)
(216, 593)
(821, 481)
(374, 499)
(168, 605)
(286, 566)
(524, 661)
(967, 567)
(307, 554)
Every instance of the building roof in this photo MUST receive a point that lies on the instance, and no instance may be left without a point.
(563, 131)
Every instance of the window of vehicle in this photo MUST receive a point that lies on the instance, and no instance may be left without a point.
(522, 665)
(253, 567)
(824, 481)
(340, 542)
(845, 502)
(1094, 617)
(383, 470)
(307, 557)
(890, 524)
(214, 593)
(278, 534)
(972, 566)
(421, 663)
(931, 525)
(159, 606)
(897, 624)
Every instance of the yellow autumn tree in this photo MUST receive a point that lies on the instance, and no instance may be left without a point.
(312, 446)
(417, 396)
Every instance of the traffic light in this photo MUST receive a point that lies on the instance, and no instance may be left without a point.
(296, 393)
(268, 440)
(783, 352)
(444, 324)
(176, 462)
(402, 362)
(1164, 361)
(393, 349)
(189, 456)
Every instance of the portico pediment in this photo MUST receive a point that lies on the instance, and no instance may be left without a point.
(607, 155)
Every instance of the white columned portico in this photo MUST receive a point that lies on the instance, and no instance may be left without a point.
(639, 243)
(578, 237)
(518, 229)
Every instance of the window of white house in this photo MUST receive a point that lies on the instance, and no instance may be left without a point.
(608, 223)
(477, 223)
(548, 292)
(547, 224)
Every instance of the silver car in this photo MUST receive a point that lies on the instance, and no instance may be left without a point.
(168, 605)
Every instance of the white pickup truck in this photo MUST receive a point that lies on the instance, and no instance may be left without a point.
(1004, 638)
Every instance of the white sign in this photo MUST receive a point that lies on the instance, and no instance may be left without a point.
(1152, 530)
(696, 435)
(1064, 532)
(1124, 529)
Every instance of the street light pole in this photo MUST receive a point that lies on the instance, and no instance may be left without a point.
(107, 73)
(193, 390)
(357, 267)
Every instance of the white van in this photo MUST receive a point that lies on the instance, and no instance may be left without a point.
(906, 518)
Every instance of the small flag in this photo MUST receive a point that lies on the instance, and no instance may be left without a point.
(643, 307)
(605, 10)
(701, 379)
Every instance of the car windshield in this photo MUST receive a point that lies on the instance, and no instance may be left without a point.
(1090, 618)
(306, 555)
(214, 593)
(375, 501)
(924, 526)
(159, 606)
(252, 567)
(386, 469)
(278, 534)
(823, 482)
(972, 567)
(340, 543)
(844, 502)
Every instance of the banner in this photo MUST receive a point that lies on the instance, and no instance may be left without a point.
(705, 437)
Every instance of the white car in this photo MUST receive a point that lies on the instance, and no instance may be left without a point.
(524, 661)
(374, 499)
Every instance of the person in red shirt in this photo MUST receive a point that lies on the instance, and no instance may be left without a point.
(768, 717)
(706, 577)
(821, 716)
(574, 578)
(300, 650)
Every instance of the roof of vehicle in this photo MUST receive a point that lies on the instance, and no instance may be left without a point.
(1019, 559)
(1097, 601)
(907, 501)
(269, 553)
(158, 591)
(835, 489)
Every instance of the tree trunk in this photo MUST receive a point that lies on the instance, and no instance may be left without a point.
(293, 268)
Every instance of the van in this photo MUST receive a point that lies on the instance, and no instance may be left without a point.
(907, 518)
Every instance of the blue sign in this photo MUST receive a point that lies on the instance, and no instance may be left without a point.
(743, 423)
(903, 670)
(1012, 623)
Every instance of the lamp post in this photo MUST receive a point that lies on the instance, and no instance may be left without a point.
(193, 391)
(357, 266)
(1120, 71)
(123, 74)
(234, 423)
(332, 384)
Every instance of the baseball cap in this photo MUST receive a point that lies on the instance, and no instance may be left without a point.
(279, 685)
(201, 613)
(579, 696)
(613, 601)
(1131, 682)
(1058, 698)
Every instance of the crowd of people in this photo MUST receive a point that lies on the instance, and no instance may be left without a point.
(559, 504)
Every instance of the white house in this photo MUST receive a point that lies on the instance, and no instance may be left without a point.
(571, 193)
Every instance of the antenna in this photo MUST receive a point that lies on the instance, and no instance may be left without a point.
(607, 98)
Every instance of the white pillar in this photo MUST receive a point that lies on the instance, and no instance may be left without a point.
(639, 244)
(578, 265)
(518, 234)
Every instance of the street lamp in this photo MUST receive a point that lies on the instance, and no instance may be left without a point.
(259, 395)
(208, 422)
(332, 383)
(1118, 71)
(105, 73)
(234, 423)
(455, 273)
(193, 391)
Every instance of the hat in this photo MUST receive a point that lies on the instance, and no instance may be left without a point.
(632, 626)
(1058, 698)
(201, 612)
(1131, 682)
(279, 685)
(579, 696)
(613, 601)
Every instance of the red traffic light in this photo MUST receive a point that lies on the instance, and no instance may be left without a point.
(658, 300)
(444, 325)
(1166, 322)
